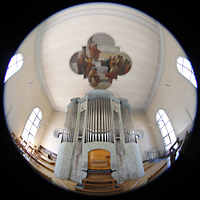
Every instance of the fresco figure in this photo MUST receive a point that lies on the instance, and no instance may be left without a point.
(112, 74)
(80, 65)
(94, 51)
(89, 65)
(94, 78)
(127, 66)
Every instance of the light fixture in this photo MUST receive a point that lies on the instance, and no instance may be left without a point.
(57, 132)
(139, 133)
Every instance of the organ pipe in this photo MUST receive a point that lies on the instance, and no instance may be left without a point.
(98, 121)
(127, 124)
(70, 123)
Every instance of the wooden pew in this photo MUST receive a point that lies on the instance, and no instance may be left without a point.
(33, 153)
(148, 165)
(47, 160)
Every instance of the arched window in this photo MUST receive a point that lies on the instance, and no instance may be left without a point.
(14, 65)
(32, 125)
(166, 128)
(185, 68)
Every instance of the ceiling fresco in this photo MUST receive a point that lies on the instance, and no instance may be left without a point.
(100, 61)
(67, 50)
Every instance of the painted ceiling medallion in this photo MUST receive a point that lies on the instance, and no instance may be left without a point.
(100, 61)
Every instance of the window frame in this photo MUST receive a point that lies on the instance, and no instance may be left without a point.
(166, 123)
(14, 67)
(31, 127)
(184, 70)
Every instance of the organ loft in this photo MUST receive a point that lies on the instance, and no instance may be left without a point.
(99, 140)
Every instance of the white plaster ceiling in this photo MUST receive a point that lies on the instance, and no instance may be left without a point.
(64, 33)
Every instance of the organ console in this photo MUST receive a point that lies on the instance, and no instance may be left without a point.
(98, 181)
(99, 178)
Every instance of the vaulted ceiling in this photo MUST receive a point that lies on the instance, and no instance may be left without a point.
(66, 32)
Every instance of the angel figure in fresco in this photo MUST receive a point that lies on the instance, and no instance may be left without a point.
(94, 51)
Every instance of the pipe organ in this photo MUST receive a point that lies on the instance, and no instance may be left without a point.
(98, 121)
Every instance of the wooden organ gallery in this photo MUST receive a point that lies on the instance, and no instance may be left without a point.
(99, 139)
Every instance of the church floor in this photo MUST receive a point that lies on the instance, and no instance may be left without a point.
(150, 173)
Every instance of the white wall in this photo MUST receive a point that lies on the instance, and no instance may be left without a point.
(48, 141)
(148, 141)
(175, 99)
(20, 97)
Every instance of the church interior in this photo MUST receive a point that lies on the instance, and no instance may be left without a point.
(92, 127)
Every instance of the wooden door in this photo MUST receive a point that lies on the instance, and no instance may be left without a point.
(99, 159)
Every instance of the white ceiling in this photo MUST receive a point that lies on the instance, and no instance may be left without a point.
(64, 33)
